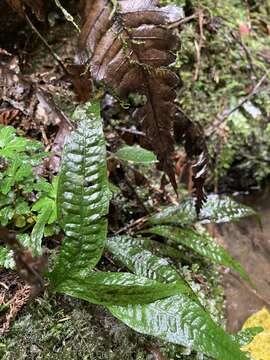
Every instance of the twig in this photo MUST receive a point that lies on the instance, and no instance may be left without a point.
(131, 131)
(247, 52)
(67, 15)
(198, 47)
(137, 223)
(247, 98)
(56, 57)
(48, 103)
(182, 21)
(229, 112)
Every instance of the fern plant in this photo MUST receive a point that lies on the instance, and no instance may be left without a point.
(153, 298)
(130, 50)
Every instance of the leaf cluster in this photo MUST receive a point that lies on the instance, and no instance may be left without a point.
(150, 296)
(27, 201)
(127, 53)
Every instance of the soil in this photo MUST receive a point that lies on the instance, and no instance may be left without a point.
(249, 243)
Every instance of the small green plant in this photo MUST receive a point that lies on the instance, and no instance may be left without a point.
(151, 295)
(27, 201)
(134, 54)
(153, 298)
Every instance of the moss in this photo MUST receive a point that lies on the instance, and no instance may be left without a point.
(63, 328)
(231, 64)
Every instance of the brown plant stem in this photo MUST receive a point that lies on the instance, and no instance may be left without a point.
(44, 41)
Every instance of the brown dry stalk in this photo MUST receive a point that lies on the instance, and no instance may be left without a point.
(16, 303)
(132, 53)
(198, 46)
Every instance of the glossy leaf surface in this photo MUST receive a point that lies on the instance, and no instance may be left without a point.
(201, 243)
(136, 155)
(218, 209)
(6, 258)
(177, 319)
(115, 288)
(83, 197)
(144, 263)
(160, 249)
(180, 320)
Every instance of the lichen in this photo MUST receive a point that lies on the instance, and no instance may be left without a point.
(259, 347)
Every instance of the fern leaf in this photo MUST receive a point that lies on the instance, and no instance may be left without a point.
(202, 244)
(160, 249)
(145, 263)
(177, 319)
(130, 53)
(115, 288)
(217, 209)
(83, 197)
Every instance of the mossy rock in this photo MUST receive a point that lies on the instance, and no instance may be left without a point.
(64, 328)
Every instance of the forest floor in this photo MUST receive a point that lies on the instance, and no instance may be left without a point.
(59, 327)
(216, 77)
(252, 249)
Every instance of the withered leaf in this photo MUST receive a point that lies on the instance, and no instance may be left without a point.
(25, 95)
(193, 138)
(81, 82)
(130, 53)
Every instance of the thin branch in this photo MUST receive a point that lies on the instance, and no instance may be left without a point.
(229, 112)
(135, 224)
(199, 46)
(247, 98)
(131, 131)
(67, 15)
(247, 52)
(56, 57)
(182, 21)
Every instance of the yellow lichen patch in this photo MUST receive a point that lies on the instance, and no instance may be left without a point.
(261, 318)
(259, 347)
